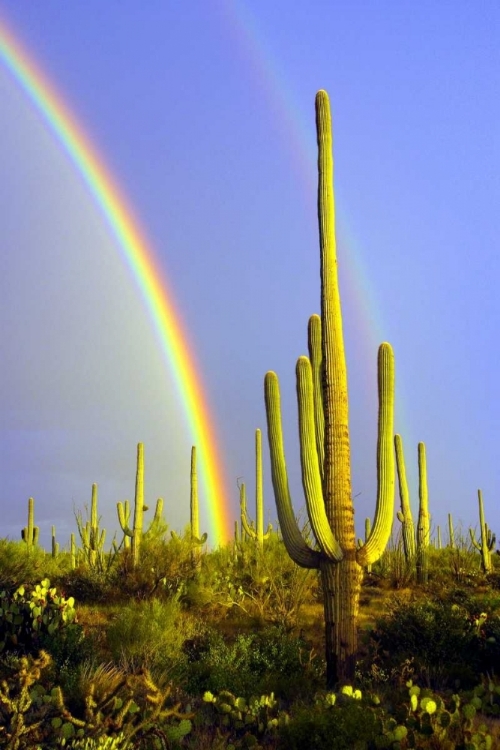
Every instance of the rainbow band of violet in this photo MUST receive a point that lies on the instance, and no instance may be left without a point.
(139, 256)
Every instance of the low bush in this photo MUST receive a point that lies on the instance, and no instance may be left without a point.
(449, 643)
(151, 635)
(272, 660)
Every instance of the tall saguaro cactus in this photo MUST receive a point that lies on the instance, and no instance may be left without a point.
(30, 533)
(325, 446)
(136, 533)
(256, 532)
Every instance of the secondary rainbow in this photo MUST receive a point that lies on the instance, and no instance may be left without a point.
(136, 250)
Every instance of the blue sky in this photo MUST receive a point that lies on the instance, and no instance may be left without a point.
(204, 112)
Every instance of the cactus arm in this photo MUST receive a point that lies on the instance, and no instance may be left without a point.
(474, 540)
(311, 477)
(315, 357)
(384, 512)
(405, 514)
(246, 526)
(296, 547)
(123, 510)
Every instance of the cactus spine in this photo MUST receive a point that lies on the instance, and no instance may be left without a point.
(424, 524)
(136, 533)
(404, 515)
(256, 532)
(327, 481)
(487, 543)
(30, 533)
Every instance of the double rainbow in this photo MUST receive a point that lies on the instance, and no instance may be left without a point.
(139, 256)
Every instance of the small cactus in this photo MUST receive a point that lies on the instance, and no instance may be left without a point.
(404, 515)
(92, 537)
(54, 545)
(424, 520)
(30, 533)
(255, 532)
(488, 539)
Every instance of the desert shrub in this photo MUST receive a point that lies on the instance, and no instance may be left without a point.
(166, 565)
(441, 638)
(90, 585)
(272, 660)
(351, 725)
(151, 634)
(264, 584)
(16, 564)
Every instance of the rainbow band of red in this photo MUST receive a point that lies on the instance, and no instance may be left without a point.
(140, 258)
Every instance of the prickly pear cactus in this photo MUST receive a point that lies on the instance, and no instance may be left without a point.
(30, 612)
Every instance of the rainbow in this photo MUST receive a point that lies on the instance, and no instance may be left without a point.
(137, 252)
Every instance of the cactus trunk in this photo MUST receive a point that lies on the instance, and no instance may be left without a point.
(423, 528)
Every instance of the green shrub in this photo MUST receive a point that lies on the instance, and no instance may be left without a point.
(265, 584)
(351, 725)
(440, 638)
(17, 565)
(151, 634)
(91, 586)
(252, 664)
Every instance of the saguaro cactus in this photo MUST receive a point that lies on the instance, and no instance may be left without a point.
(136, 533)
(255, 532)
(424, 519)
(194, 504)
(487, 543)
(404, 515)
(54, 543)
(30, 533)
(91, 535)
(451, 532)
(325, 461)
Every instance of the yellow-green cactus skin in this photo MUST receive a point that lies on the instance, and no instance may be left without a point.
(488, 539)
(256, 532)
(136, 533)
(451, 532)
(30, 533)
(325, 446)
(424, 519)
(194, 504)
(92, 537)
(404, 515)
